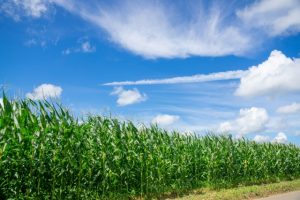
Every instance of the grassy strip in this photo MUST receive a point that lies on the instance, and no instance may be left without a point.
(244, 192)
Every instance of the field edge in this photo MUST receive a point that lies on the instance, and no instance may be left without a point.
(244, 192)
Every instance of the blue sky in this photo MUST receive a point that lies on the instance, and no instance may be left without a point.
(190, 66)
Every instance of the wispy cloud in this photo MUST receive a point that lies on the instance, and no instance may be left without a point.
(229, 75)
(277, 75)
(274, 17)
(289, 109)
(85, 47)
(153, 29)
(18, 8)
(156, 29)
(35, 42)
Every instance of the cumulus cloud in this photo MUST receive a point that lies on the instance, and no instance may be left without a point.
(229, 75)
(274, 17)
(45, 91)
(250, 120)
(1, 101)
(18, 8)
(261, 138)
(128, 97)
(289, 109)
(280, 138)
(165, 120)
(226, 127)
(278, 74)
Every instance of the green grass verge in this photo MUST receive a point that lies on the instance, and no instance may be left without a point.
(244, 192)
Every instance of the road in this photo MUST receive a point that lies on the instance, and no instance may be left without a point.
(286, 196)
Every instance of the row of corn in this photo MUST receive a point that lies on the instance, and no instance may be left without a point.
(45, 153)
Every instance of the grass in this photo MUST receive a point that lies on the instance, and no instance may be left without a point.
(45, 153)
(244, 192)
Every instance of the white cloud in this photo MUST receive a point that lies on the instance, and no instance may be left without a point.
(85, 47)
(18, 8)
(289, 109)
(229, 75)
(153, 29)
(34, 8)
(280, 138)
(277, 124)
(127, 97)
(278, 74)
(261, 138)
(1, 101)
(226, 127)
(45, 91)
(165, 120)
(250, 120)
(67, 51)
(276, 17)
(35, 42)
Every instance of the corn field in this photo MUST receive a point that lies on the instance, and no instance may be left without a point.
(45, 153)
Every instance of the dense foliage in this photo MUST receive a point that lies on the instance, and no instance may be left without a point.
(45, 153)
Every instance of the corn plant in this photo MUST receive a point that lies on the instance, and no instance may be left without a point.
(46, 154)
